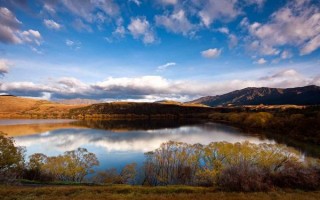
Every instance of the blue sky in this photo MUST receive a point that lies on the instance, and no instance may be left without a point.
(143, 50)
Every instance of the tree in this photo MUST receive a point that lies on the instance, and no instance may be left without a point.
(81, 163)
(128, 173)
(11, 159)
(34, 167)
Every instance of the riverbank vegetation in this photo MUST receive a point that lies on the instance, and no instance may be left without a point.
(302, 123)
(222, 166)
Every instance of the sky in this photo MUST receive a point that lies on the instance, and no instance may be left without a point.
(150, 50)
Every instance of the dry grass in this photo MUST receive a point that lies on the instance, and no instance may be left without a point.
(139, 192)
(18, 107)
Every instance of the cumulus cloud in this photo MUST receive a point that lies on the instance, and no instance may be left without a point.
(177, 22)
(217, 10)
(224, 30)
(4, 67)
(296, 24)
(211, 53)
(140, 28)
(86, 13)
(89, 10)
(9, 27)
(52, 24)
(10, 32)
(153, 88)
(165, 66)
(31, 36)
(261, 61)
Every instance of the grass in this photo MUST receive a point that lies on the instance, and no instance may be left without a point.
(18, 107)
(122, 192)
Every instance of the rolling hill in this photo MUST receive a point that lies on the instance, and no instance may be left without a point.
(132, 110)
(19, 107)
(308, 95)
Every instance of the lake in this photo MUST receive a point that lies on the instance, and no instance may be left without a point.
(116, 143)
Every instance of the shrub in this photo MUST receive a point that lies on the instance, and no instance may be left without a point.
(243, 176)
(109, 176)
(297, 176)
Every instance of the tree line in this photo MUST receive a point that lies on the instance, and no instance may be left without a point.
(299, 124)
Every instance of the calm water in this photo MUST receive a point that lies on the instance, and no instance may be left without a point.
(116, 143)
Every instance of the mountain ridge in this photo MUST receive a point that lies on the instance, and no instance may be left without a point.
(306, 95)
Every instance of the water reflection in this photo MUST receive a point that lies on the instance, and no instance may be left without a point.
(137, 141)
(119, 146)
(117, 143)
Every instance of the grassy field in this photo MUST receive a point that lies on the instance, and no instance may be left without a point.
(139, 192)
(18, 107)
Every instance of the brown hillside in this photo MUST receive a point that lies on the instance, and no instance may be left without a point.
(18, 107)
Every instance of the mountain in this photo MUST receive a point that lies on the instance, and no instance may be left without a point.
(308, 95)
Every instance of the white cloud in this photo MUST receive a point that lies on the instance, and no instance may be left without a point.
(73, 44)
(296, 24)
(286, 54)
(49, 7)
(233, 40)
(10, 32)
(211, 53)
(224, 30)
(52, 24)
(137, 2)
(9, 27)
(31, 36)
(139, 27)
(259, 3)
(312, 45)
(36, 50)
(89, 10)
(261, 61)
(4, 67)
(120, 31)
(165, 66)
(218, 10)
(79, 25)
(152, 88)
(168, 2)
(177, 22)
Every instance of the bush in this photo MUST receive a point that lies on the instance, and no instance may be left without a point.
(110, 176)
(297, 176)
(243, 177)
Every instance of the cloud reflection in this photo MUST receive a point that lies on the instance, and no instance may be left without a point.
(132, 141)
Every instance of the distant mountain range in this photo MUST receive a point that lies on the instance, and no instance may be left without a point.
(308, 95)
